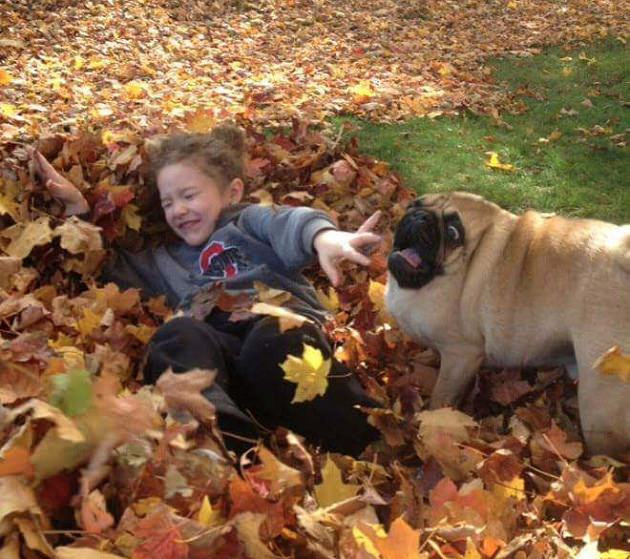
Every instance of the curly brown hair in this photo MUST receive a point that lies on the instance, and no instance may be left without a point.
(219, 153)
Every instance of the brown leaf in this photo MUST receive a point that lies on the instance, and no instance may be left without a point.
(16, 461)
(94, 516)
(24, 238)
(183, 391)
(9, 266)
(79, 236)
(279, 476)
(401, 541)
(287, 319)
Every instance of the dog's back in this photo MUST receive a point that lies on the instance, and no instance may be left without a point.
(553, 274)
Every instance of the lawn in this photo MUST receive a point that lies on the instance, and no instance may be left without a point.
(566, 137)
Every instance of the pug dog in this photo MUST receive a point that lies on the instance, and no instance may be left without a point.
(482, 285)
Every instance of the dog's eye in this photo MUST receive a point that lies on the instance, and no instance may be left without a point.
(452, 233)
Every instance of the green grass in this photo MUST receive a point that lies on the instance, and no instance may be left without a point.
(584, 171)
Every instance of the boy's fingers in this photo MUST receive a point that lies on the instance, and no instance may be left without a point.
(356, 256)
(42, 167)
(41, 159)
(370, 222)
(45, 168)
(52, 185)
(331, 271)
(370, 238)
(366, 240)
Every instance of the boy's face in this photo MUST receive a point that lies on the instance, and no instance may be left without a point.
(192, 201)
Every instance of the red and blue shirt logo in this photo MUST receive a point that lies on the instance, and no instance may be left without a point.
(219, 261)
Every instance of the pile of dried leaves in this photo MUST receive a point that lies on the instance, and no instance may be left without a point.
(65, 62)
(92, 465)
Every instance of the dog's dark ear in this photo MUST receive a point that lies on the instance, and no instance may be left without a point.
(416, 204)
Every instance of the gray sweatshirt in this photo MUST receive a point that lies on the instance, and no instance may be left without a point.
(251, 243)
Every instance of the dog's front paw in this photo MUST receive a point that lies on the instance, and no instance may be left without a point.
(441, 401)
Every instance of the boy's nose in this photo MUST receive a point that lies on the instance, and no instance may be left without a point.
(180, 209)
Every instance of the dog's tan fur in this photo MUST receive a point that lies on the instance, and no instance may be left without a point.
(528, 290)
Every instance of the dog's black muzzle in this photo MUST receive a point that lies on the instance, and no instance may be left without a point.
(414, 257)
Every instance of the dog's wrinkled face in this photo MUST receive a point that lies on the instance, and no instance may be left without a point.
(429, 236)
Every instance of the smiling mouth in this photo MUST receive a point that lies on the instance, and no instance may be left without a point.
(187, 225)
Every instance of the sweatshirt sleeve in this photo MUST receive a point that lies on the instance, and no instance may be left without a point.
(135, 270)
(289, 231)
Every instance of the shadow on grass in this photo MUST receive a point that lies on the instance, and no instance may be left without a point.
(567, 140)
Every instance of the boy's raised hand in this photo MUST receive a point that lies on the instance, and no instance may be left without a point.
(333, 246)
(58, 186)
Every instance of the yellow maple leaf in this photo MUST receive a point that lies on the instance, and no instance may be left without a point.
(200, 121)
(494, 163)
(362, 92)
(72, 356)
(332, 489)
(376, 294)
(9, 206)
(111, 137)
(515, 489)
(444, 69)
(8, 110)
(309, 372)
(89, 322)
(614, 362)
(614, 554)
(96, 63)
(134, 90)
(207, 516)
(5, 77)
(62, 340)
(329, 301)
(143, 332)
(9, 194)
(131, 218)
(78, 62)
(100, 110)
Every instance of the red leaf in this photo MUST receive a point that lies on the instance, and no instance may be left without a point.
(162, 539)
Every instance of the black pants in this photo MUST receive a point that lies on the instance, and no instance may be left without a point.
(247, 357)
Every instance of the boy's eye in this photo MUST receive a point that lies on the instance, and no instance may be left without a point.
(166, 204)
(189, 195)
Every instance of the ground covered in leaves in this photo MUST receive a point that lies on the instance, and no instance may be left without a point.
(92, 465)
(68, 62)
(89, 459)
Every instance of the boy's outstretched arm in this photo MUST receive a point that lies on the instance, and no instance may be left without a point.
(333, 246)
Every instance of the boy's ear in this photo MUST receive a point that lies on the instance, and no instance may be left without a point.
(236, 189)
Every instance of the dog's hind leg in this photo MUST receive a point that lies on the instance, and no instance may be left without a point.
(604, 405)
